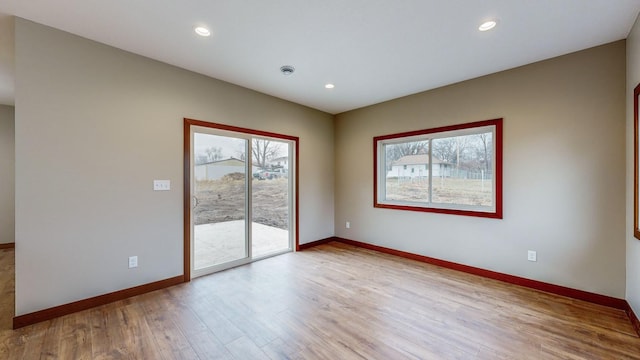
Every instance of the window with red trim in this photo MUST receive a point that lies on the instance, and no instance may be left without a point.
(454, 169)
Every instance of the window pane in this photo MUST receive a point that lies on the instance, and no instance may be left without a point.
(219, 190)
(462, 170)
(453, 169)
(270, 197)
(407, 174)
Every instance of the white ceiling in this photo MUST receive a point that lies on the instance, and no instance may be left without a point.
(372, 50)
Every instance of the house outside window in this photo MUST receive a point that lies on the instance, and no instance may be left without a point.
(462, 176)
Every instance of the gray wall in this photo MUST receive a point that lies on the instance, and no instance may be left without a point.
(7, 174)
(94, 127)
(564, 156)
(633, 244)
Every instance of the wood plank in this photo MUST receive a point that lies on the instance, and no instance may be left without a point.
(244, 348)
(333, 301)
(51, 342)
(75, 340)
(205, 344)
(169, 339)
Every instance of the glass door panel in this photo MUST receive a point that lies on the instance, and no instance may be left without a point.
(270, 197)
(242, 188)
(219, 191)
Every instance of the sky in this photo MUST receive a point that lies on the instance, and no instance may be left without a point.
(231, 147)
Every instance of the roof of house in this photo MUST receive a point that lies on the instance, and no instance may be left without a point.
(223, 161)
(280, 158)
(417, 160)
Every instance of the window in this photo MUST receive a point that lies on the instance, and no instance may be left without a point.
(462, 170)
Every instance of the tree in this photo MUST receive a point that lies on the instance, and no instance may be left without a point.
(486, 149)
(214, 153)
(397, 151)
(264, 150)
(445, 150)
(201, 159)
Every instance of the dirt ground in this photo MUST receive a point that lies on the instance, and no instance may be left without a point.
(445, 190)
(224, 200)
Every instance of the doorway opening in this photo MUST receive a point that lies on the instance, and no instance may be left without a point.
(240, 196)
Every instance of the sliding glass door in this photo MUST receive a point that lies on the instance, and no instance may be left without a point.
(241, 186)
(270, 197)
(219, 201)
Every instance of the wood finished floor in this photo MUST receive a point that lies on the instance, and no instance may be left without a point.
(330, 302)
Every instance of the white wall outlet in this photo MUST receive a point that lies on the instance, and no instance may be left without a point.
(161, 185)
(347, 225)
(133, 262)
(532, 255)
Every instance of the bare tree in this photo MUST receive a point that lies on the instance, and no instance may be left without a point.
(264, 150)
(201, 159)
(397, 151)
(453, 150)
(214, 153)
(445, 150)
(486, 154)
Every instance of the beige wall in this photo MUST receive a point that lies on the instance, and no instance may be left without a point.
(7, 164)
(564, 133)
(94, 127)
(633, 244)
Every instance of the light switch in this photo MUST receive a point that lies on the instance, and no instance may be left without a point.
(161, 185)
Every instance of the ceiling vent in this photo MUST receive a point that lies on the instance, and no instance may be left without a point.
(287, 70)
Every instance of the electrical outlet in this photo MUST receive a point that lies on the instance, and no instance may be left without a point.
(532, 255)
(133, 262)
(347, 225)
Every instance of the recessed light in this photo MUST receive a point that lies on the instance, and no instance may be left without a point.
(202, 31)
(488, 25)
(329, 86)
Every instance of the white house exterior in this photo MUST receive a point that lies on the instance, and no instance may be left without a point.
(414, 166)
(282, 162)
(217, 169)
